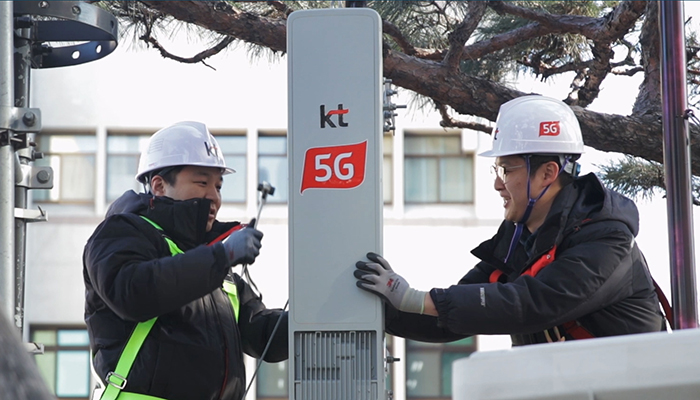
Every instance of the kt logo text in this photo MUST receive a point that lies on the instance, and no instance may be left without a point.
(327, 117)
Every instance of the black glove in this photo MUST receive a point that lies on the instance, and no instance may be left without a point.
(243, 245)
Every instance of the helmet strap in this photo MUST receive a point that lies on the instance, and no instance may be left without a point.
(569, 165)
(530, 205)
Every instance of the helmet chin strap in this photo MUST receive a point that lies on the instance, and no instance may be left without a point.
(519, 226)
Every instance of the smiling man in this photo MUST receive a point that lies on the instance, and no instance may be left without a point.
(564, 263)
(166, 316)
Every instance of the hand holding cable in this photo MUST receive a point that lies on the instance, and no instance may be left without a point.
(243, 245)
(377, 277)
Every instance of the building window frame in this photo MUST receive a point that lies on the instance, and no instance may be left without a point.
(49, 335)
(274, 152)
(443, 354)
(240, 165)
(56, 155)
(142, 137)
(438, 160)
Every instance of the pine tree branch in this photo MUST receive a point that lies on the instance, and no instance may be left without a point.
(449, 122)
(395, 33)
(197, 58)
(458, 37)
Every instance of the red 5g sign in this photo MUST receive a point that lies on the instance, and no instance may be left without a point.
(336, 167)
(549, 128)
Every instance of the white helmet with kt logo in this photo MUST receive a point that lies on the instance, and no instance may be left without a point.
(185, 143)
(535, 125)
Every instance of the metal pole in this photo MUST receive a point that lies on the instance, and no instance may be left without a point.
(23, 56)
(677, 164)
(7, 166)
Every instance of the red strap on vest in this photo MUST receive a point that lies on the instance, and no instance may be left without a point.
(495, 276)
(664, 304)
(545, 260)
(576, 331)
(572, 328)
(226, 234)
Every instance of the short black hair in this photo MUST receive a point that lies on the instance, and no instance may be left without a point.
(536, 160)
(169, 174)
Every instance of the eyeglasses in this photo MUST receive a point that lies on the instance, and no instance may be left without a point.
(500, 171)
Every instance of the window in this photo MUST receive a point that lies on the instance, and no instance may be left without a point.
(234, 150)
(436, 170)
(429, 367)
(123, 154)
(272, 165)
(272, 380)
(65, 364)
(72, 159)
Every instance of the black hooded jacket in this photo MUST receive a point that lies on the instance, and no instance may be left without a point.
(195, 349)
(598, 278)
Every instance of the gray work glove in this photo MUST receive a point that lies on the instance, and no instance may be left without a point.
(243, 245)
(377, 277)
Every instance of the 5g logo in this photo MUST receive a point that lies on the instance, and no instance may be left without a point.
(336, 167)
(549, 128)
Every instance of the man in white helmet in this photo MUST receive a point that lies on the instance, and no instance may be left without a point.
(564, 263)
(167, 318)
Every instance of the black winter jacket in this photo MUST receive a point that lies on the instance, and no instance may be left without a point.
(195, 349)
(598, 278)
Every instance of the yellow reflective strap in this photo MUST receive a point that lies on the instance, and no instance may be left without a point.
(171, 245)
(232, 292)
(152, 223)
(116, 381)
(136, 396)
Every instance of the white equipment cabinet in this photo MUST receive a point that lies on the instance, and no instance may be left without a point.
(336, 331)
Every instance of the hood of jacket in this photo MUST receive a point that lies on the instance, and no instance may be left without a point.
(184, 221)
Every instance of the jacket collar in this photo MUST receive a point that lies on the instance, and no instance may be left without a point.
(184, 221)
(575, 202)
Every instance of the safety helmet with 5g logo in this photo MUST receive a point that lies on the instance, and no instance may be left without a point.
(535, 125)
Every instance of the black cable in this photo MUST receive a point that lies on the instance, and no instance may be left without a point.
(249, 279)
(267, 346)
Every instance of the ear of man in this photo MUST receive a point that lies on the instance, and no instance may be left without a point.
(158, 185)
(550, 172)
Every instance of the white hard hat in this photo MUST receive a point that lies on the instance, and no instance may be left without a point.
(535, 125)
(185, 143)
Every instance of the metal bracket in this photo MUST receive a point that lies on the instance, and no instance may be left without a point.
(34, 348)
(79, 22)
(18, 119)
(31, 215)
(389, 107)
(34, 177)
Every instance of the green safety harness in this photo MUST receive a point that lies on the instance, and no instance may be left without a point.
(116, 380)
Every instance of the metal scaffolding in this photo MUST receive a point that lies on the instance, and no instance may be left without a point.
(25, 44)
